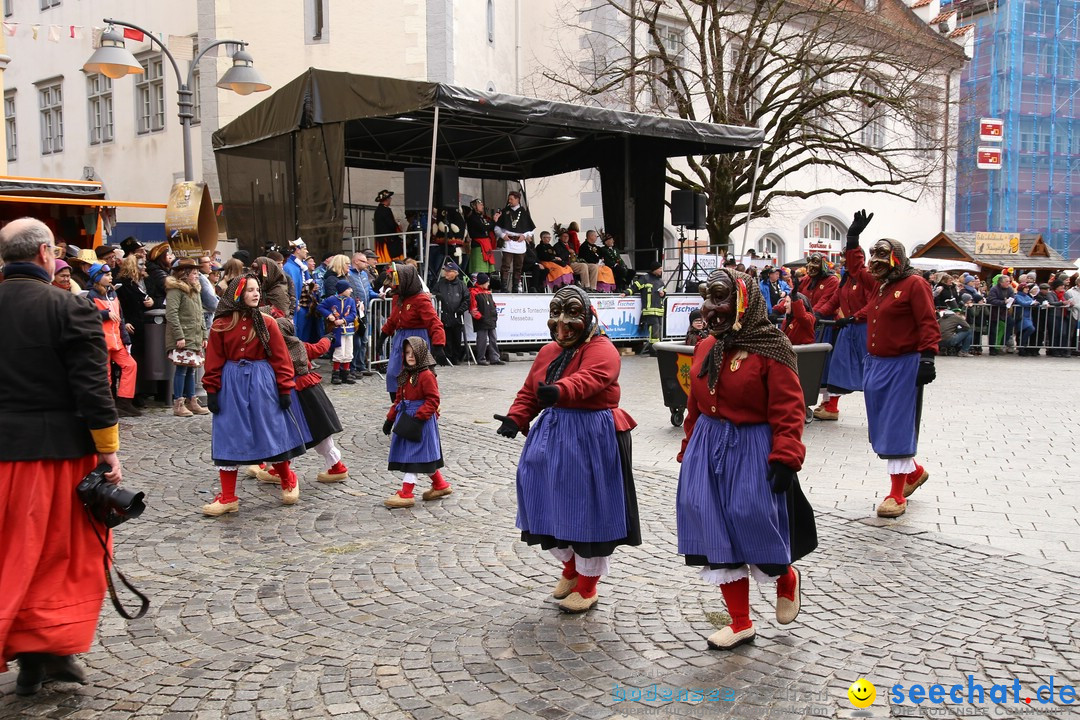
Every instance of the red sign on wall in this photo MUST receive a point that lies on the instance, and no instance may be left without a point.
(988, 158)
(991, 129)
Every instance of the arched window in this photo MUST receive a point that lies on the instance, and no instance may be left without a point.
(771, 245)
(824, 235)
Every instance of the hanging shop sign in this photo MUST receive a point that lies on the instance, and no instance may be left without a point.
(991, 130)
(988, 158)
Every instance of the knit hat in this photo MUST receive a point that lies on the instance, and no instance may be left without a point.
(966, 297)
(61, 265)
(341, 286)
(243, 256)
(98, 271)
(482, 278)
(655, 265)
(968, 277)
(103, 251)
(695, 315)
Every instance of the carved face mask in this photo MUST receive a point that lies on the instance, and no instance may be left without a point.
(882, 260)
(718, 310)
(814, 265)
(568, 319)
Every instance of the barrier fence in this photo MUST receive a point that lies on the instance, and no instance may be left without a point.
(1027, 329)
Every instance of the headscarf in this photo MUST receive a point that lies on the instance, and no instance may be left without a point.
(755, 334)
(274, 286)
(408, 280)
(558, 366)
(297, 351)
(901, 265)
(423, 360)
(232, 301)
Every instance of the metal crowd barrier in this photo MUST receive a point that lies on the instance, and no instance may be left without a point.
(1025, 329)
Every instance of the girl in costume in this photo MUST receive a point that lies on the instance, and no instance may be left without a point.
(575, 483)
(412, 314)
(413, 418)
(277, 296)
(738, 492)
(249, 384)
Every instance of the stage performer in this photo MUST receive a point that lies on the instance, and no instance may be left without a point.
(481, 237)
(739, 508)
(845, 368)
(575, 481)
(389, 246)
(249, 383)
(415, 448)
(57, 421)
(514, 226)
(412, 314)
(903, 336)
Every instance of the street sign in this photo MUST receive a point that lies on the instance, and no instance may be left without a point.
(997, 243)
(988, 158)
(991, 129)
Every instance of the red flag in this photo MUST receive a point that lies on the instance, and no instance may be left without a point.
(135, 35)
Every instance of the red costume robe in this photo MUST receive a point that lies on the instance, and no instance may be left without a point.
(414, 312)
(822, 294)
(900, 317)
(240, 343)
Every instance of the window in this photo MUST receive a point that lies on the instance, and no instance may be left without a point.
(673, 47)
(150, 95)
(46, 4)
(825, 236)
(873, 122)
(51, 104)
(926, 112)
(9, 124)
(316, 21)
(99, 108)
(771, 245)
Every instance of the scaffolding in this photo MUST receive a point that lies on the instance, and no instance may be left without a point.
(1024, 71)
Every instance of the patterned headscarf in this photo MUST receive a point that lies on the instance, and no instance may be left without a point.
(274, 286)
(558, 365)
(423, 360)
(755, 334)
(232, 301)
(408, 280)
(297, 351)
(901, 265)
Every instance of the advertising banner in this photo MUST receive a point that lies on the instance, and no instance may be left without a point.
(190, 223)
(677, 309)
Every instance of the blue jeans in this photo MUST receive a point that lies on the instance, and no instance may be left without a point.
(360, 344)
(961, 339)
(183, 382)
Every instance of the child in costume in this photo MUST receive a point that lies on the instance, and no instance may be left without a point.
(412, 315)
(340, 311)
(738, 505)
(415, 448)
(575, 482)
(697, 332)
(249, 382)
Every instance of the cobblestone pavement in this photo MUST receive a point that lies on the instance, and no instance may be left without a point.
(337, 607)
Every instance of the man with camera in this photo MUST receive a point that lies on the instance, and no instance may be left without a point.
(58, 421)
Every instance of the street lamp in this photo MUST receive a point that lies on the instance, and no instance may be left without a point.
(114, 60)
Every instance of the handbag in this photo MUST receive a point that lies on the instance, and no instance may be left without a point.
(408, 428)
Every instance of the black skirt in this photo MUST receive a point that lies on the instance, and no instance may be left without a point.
(633, 525)
(322, 418)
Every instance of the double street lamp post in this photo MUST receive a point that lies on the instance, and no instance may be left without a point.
(114, 60)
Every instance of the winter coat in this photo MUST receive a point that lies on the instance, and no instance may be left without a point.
(116, 335)
(343, 307)
(482, 307)
(997, 295)
(455, 301)
(155, 284)
(183, 315)
(951, 324)
(131, 302)
(649, 287)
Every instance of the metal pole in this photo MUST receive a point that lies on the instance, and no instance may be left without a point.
(750, 211)
(945, 151)
(431, 190)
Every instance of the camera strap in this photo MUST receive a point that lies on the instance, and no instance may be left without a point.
(110, 565)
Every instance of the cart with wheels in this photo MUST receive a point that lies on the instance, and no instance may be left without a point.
(811, 360)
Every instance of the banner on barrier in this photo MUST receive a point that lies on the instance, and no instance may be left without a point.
(677, 309)
(523, 317)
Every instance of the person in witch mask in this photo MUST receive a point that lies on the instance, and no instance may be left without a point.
(412, 314)
(739, 508)
(575, 484)
(902, 341)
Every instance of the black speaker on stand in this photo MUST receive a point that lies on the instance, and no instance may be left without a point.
(687, 211)
(416, 188)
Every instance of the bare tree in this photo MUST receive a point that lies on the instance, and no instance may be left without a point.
(832, 85)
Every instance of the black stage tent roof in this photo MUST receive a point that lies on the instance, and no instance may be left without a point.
(281, 163)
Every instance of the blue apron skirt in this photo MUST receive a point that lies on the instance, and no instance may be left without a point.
(846, 360)
(890, 392)
(423, 456)
(251, 427)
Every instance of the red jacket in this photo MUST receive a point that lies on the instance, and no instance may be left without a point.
(590, 382)
(240, 343)
(900, 316)
(426, 388)
(760, 391)
(822, 294)
(799, 326)
(314, 350)
(853, 295)
(414, 313)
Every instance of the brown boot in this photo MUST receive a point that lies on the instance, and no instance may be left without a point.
(195, 408)
(179, 409)
(125, 408)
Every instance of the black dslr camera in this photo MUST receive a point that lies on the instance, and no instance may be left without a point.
(109, 504)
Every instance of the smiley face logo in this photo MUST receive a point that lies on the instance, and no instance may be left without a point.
(862, 693)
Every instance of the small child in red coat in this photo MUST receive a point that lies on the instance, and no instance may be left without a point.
(415, 447)
(798, 321)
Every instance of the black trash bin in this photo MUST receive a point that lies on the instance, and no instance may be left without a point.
(155, 368)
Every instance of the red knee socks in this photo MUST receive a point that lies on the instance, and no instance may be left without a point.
(737, 598)
(437, 481)
(337, 367)
(228, 486)
(586, 585)
(288, 477)
(832, 405)
(406, 490)
(897, 492)
(569, 569)
(785, 584)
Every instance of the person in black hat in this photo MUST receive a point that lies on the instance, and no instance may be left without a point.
(454, 299)
(650, 287)
(243, 256)
(388, 245)
(131, 246)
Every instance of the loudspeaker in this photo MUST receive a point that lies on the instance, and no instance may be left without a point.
(688, 209)
(416, 188)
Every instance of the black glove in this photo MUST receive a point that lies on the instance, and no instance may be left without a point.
(927, 372)
(387, 426)
(857, 226)
(547, 395)
(843, 322)
(212, 403)
(509, 428)
(284, 401)
(440, 354)
(780, 477)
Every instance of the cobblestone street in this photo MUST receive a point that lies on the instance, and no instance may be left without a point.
(338, 607)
